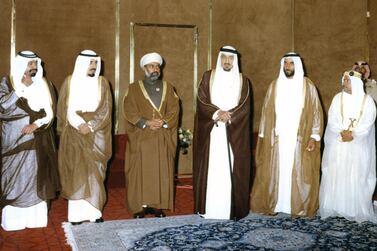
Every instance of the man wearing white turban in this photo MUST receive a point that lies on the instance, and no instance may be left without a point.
(288, 147)
(222, 148)
(349, 159)
(151, 109)
(84, 125)
(29, 176)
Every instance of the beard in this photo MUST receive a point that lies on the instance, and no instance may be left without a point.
(153, 76)
(33, 72)
(289, 73)
(227, 67)
(91, 73)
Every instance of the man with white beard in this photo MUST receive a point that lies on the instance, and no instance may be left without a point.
(222, 148)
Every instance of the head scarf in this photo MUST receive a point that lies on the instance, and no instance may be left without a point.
(81, 84)
(363, 68)
(20, 64)
(289, 95)
(226, 89)
(353, 102)
(150, 58)
(37, 94)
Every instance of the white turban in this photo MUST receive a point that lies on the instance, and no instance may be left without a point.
(150, 58)
(37, 94)
(82, 84)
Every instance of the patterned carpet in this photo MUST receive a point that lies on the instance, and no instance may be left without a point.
(254, 232)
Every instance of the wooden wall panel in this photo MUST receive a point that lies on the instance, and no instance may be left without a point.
(330, 36)
(5, 14)
(58, 30)
(372, 32)
(261, 32)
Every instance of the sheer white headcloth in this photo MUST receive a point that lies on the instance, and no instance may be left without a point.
(37, 94)
(353, 102)
(226, 89)
(153, 57)
(82, 84)
(289, 95)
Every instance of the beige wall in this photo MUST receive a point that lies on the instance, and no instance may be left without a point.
(58, 30)
(330, 36)
(372, 35)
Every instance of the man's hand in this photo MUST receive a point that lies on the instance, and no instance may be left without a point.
(84, 129)
(29, 129)
(223, 116)
(154, 124)
(311, 145)
(346, 135)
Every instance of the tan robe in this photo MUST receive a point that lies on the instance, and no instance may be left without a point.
(150, 154)
(83, 158)
(306, 168)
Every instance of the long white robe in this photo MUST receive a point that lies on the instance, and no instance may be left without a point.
(348, 168)
(219, 186)
(225, 94)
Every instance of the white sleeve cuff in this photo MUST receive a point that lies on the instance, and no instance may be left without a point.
(316, 137)
(90, 126)
(215, 115)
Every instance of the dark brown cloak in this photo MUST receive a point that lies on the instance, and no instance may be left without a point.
(239, 135)
(306, 169)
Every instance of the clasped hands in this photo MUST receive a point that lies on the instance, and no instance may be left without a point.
(223, 116)
(154, 124)
(346, 135)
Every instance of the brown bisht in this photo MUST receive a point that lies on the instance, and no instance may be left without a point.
(83, 158)
(29, 172)
(150, 154)
(306, 169)
(240, 141)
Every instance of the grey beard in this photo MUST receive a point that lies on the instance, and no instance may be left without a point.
(154, 76)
